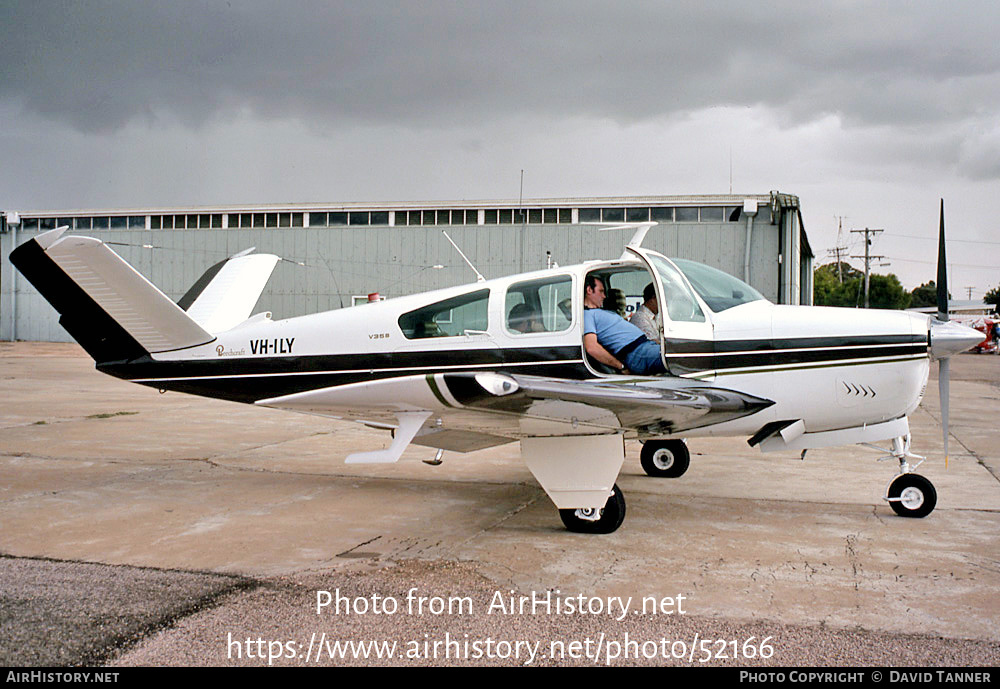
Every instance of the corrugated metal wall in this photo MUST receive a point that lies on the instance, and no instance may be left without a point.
(346, 261)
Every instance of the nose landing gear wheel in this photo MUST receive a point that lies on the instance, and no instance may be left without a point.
(912, 495)
(665, 458)
(605, 520)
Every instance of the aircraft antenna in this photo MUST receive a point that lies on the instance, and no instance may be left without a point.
(479, 276)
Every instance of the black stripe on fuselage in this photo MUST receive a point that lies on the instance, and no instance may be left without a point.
(688, 356)
(251, 379)
(248, 380)
(677, 346)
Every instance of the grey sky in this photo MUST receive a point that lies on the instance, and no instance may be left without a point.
(869, 110)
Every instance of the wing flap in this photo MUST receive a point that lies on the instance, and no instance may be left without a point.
(458, 440)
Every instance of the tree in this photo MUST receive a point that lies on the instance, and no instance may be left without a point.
(925, 295)
(825, 286)
(993, 297)
(884, 291)
(829, 291)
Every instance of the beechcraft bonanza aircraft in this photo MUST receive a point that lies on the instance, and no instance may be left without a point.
(449, 369)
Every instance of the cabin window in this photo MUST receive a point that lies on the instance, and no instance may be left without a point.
(448, 318)
(539, 306)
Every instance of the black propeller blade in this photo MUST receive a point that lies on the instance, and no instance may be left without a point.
(944, 364)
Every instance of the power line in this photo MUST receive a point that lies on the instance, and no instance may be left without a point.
(949, 240)
(950, 263)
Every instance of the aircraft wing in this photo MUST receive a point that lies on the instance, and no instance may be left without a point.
(468, 411)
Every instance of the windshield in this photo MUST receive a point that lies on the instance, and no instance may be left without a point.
(719, 290)
(681, 304)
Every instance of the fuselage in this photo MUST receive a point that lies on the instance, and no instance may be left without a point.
(832, 368)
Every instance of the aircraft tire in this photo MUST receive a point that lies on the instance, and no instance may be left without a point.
(612, 516)
(665, 458)
(917, 496)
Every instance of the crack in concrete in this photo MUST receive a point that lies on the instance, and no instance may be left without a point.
(359, 545)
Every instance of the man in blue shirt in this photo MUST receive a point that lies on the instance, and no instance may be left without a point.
(612, 340)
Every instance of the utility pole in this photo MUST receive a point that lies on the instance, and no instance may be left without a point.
(868, 257)
(970, 291)
(836, 253)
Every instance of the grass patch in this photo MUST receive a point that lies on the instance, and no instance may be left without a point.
(111, 414)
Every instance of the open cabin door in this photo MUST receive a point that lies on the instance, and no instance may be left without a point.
(684, 322)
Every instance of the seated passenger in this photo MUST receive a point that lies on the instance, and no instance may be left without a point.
(615, 302)
(524, 319)
(427, 329)
(612, 340)
(566, 307)
(644, 317)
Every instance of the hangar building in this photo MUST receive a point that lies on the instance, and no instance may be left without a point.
(335, 255)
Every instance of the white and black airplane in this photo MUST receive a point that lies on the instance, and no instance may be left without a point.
(451, 369)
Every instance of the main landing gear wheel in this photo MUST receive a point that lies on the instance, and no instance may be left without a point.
(911, 495)
(605, 520)
(665, 458)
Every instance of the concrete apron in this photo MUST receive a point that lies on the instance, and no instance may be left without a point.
(98, 470)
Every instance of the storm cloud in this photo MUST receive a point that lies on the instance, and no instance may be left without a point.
(870, 110)
(98, 65)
